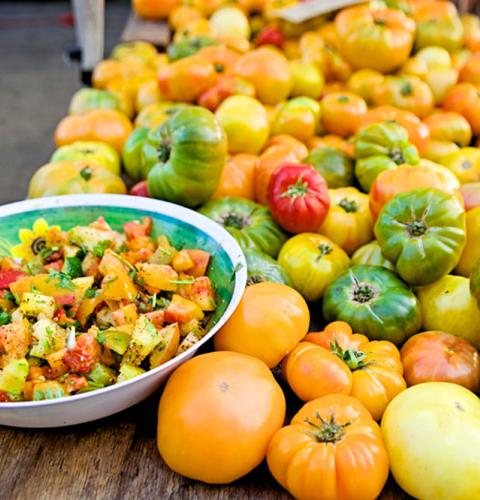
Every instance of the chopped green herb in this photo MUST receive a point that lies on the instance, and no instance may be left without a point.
(91, 293)
(73, 267)
(154, 300)
(101, 337)
(4, 317)
(10, 296)
(64, 281)
(99, 248)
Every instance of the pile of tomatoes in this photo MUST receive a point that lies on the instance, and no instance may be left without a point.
(342, 153)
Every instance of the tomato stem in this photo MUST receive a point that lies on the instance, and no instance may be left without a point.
(352, 358)
(86, 173)
(325, 249)
(297, 190)
(363, 293)
(416, 228)
(163, 152)
(350, 206)
(328, 430)
(233, 219)
(396, 155)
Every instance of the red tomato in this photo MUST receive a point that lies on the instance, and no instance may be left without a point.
(471, 195)
(271, 35)
(84, 355)
(440, 357)
(8, 276)
(140, 189)
(298, 197)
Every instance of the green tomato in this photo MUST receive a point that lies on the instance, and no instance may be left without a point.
(261, 267)
(380, 147)
(448, 305)
(446, 32)
(185, 157)
(251, 224)
(475, 282)
(335, 166)
(423, 233)
(312, 262)
(100, 153)
(132, 154)
(375, 302)
(87, 98)
(371, 255)
(188, 46)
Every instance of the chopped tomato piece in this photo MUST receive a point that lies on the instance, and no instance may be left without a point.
(202, 293)
(201, 260)
(65, 300)
(84, 355)
(8, 276)
(101, 224)
(125, 315)
(4, 397)
(74, 383)
(157, 318)
(134, 229)
(182, 261)
(15, 340)
(181, 310)
(54, 266)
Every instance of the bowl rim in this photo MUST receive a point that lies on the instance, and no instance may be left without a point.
(191, 217)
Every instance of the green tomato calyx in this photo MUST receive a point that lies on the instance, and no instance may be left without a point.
(407, 89)
(255, 278)
(396, 155)
(326, 430)
(363, 293)
(354, 359)
(350, 206)
(86, 173)
(235, 220)
(163, 152)
(416, 228)
(324, 249)
(297, 190)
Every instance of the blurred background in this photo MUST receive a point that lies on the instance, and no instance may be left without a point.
(37, 82)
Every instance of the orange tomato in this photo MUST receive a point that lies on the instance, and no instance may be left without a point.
(216, 416)
(470, 72)
(461, 97)
(267, 324)
(337, 68)
(238, 177)
(269, 72)
(449, 126)
(222, 58)
(340, 362)
(104, 125)
(181, 15)
(299, 149)
(405, 178)
(441, 357)
(153, 9)
(332, 141)
(148, 93)
(186, 79)
(331, 449)
(363, 81)
(342, 113)
(405, 92)
(311, 46)
(471, 31)
(269, 161)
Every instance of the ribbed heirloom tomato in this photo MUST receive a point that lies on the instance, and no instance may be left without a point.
(238, 177)
(342, 113)
(331, 449)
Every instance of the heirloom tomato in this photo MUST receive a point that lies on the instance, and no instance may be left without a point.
(298, 197)
(67, 177)
(342, 113)
(209, 397)
(132, 157)
(148, 93)
(86, 98)
(332, 141)
(299, 149)
(152, 9)
(375, 302)
(371, 255)
(261, 267)
(464, 163)
(418, 133)
(312, 262)
(185, 156)
(449, 126)
(238, 177)
(331, 449)
(438, 24)
(223, 58)
(378, 39)
(405, 178)
(192, 29)
(251, 224)
(109, 71)
(138, 50)
(437, 151)
(299, 117)
(434, 427)
(230, 21)
(311, 46)
(475, 282)
(379, 147)
(470, 195)
(448, 305)
(471, 31)
(188, 47)
(269, 72)
(226, 86)
(441, 357)
(349, 222)
(103, 125)
(405, 92)
(461, 97)
(245, 122)
(270, 35)
(470, 72)
(153, 115)
(471, 252)
(362, 83)
(369, 371)
(181, 15)
(268, 323)
(307, 79)
(335, 166)
(100, 153)
(422, 232)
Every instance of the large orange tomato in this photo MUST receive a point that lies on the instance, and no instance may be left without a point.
(299, 149)
(405, 178)
(449, 126)
(104, 125)
(186, 79)
(267, 324)
(331, 449)
(405, 92)
(471, 31)
(418, 132)
(238, 177)
(337, 361)
(460, 97)
(223, 58)
(471, 70)
(154, 9)
(269, 72)
(342, 113)
(216, 416)
(441, 357)
(379, 39)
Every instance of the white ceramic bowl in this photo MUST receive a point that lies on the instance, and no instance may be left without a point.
(181, 224)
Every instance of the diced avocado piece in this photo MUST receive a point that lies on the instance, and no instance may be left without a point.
(14, 376)
(144, 339)
(164, 252)
(101, 375)
(33, 304)
(167, 347)
(94, 239)
(128, 371)
(48, 390)
(49, 338)
(117, 339)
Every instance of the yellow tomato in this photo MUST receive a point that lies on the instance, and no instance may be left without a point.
(230, 21)
(245, 122)
(148, 93)
(464, 163)
(437, 151)
(363, 81)
(307, 79)
(298, 118)
(471, 252)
